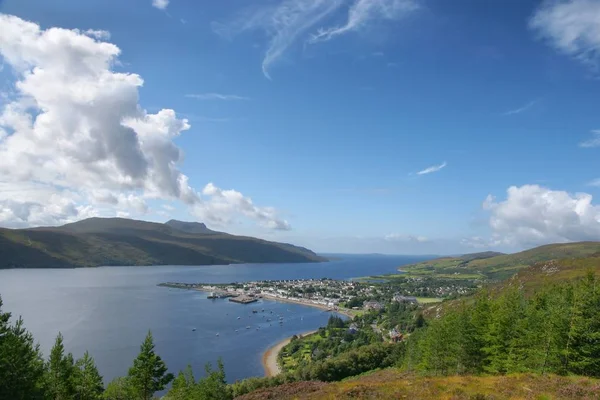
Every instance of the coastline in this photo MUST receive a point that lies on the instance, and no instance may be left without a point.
(269, 358)
(343, 311)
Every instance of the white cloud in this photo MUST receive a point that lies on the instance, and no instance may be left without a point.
(593, 142)
(433, 168)
(216, 96)
(222, 206)
(160, 4)
(398, 237)
(533, 215)
(290, 20)
(571, 26)
(521, 109)
(98, 34)
(364, 11)
(74, 140)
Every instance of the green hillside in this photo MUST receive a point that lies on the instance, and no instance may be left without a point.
(118, 241)
(393, 384)
(497, 266)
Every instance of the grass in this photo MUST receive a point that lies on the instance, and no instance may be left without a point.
(491, 266)
(393, 384)
(428, 300)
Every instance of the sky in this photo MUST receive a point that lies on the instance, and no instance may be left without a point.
(351, 126)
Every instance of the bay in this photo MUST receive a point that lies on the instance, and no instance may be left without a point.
(109, 310)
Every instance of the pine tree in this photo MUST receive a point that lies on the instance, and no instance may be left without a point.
(149, 372)
(87, 380)
(60, 372)
(119, 389)
(21, 363)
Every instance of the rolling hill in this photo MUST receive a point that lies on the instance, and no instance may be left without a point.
(498, 266)
(118, 241)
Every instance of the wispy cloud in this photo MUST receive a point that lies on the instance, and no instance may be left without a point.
(283, 24)
(433, 168)
(399, 237)
(216, 96)
(363, 11)
(593, 142)
(521, 109)
(595, 182)
(291, 20)
(571, 26)
(160, 4)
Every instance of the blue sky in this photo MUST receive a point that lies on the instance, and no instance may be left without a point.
(323, 113)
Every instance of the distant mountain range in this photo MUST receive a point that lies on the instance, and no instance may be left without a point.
(118, 241)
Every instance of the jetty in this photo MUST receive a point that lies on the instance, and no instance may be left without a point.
(243, 299)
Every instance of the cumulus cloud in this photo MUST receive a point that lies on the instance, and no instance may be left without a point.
(533, 215)
(593, 142)
(222, 206)
(160, 4)
(571, 26)
(216, 96)
(364, 11)
(291, 20)
(74, 137)
(432, 169)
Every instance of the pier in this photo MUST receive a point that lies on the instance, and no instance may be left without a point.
(243, 299)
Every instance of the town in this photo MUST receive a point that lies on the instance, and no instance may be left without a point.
(346, 297)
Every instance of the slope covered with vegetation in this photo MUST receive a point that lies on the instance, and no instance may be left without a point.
(497, 266)
(118, 241)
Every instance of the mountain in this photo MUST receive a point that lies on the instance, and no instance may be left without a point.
(118, 241)
(191, 227)
(498, 266)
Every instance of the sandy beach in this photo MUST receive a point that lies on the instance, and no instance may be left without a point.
(269, 359)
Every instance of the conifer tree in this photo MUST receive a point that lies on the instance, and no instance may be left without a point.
(88, 382)
(21, 363)
(149, 372)
(60, 372)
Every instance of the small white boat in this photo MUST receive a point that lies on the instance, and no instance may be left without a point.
(193, 329)
(217, 334)
(248, 327)
(239, 317)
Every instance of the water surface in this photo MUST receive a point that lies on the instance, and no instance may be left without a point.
(109, 310)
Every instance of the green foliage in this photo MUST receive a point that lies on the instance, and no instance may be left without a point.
(120, 389)
(88, 382)
(149, 372)
(21, 363)
(60, 372)
(557, 330)
(211, 387)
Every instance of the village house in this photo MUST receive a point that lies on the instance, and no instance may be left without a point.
(372, 305)
(405, 299)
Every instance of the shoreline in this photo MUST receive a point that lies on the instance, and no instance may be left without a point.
(346, 312)
(269, 358)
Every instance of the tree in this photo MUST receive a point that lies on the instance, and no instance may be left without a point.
(119, 389)
(214, 386)
(87, 381)
(149, 372)
(60, 372)
(21, 363)
(183, 385)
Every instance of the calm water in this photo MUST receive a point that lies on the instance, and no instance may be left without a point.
(108, 311)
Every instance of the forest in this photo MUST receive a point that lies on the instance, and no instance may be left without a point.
(554, 330)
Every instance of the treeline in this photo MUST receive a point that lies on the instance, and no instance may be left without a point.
(555, 330)
(26, 375)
